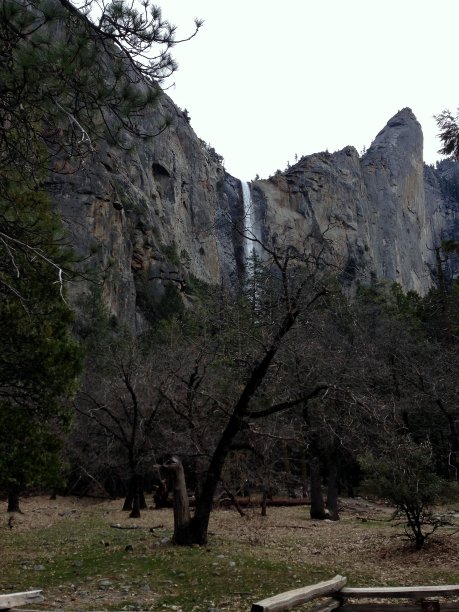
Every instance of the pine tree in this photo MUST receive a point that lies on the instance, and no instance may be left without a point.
(449, 133)
(70, 74)
(39, 361)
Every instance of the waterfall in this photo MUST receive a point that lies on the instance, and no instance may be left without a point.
(250, 230)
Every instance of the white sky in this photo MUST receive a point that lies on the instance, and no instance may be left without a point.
(265, 80)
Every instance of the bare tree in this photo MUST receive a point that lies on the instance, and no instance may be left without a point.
(122, 411)
(242, 376)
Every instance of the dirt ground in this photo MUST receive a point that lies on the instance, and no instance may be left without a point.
(286, 547)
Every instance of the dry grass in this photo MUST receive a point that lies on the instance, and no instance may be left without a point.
(67, 547)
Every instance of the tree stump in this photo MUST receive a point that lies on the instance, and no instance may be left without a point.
(182, 518)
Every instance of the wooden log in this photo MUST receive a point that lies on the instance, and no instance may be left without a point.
(411, 592)
(23, 610)
(379, 607)
(13, 600)
(286, 600)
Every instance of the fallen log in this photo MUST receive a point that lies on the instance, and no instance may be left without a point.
(130, 527)
(286, 600)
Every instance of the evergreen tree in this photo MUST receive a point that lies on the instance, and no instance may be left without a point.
(449, 133)
(70, 74)
(39, 361)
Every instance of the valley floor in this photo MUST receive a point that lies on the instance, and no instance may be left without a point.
(70, 549)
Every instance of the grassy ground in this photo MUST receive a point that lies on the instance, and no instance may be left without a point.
(69, 549)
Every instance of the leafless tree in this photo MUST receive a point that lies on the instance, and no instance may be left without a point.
(241, 378)
(121, 410)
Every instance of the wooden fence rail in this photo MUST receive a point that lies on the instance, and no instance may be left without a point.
(14, 600)
(284, 601)
(420, 598)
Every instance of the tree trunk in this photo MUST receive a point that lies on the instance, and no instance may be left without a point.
(415, 523)
(13, 500)
(129, 499)
(264, 501)
(142, 500)
(304, 475)
(317, 500)
(135, 512)
(289, 480)
(182, 519)
(332, 490)
(135, 498)
(195, 532)
(161, 494)
(453, 440)
(233, 500)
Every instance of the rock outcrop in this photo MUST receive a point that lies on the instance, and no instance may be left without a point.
(145, 216)
(385, 212)
(164, 213)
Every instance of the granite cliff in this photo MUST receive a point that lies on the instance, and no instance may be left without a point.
(145, 216)
(160, 214)
(385, 211)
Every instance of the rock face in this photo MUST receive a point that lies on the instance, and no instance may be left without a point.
(145, 217)
(161, 214)
(385, 212)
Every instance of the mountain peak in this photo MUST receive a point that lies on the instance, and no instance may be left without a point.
(403, 131)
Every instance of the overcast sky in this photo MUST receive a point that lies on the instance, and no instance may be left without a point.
(266, 80)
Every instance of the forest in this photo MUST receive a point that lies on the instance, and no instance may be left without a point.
(285, 384)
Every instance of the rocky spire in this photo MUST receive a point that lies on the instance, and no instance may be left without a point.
(401, 136)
